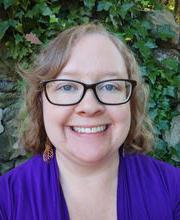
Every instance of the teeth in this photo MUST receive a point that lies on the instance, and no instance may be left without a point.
(90, 130)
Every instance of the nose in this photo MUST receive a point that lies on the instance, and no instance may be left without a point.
(89, 105)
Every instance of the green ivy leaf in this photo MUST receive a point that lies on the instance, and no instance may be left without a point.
(8, 3)
(19, 27)
(146, 24)
(103, 5)
(170, 64)
(124, 8)
(126, 18)
(139, 30)
(55, 9)
(53, 19)
(150, 45)
(175, 80)
(40, 8)
(144, 50)
(160, 144)
(12, 22)
(163, 124)
(169, 91)
(153, 76)
(46, 11)
(164, 32)
(153, 113)
(89, 3)
(4, 25)
(18, 38)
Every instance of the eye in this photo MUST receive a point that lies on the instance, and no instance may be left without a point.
(66, 87)
(109, 87)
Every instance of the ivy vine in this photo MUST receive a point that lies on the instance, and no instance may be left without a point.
(25, 24)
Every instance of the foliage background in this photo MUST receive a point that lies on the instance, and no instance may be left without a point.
(43, 19)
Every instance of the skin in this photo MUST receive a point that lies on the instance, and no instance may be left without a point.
(94, 58)
(89, 161)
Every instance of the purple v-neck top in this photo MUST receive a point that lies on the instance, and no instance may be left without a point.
(147, 190)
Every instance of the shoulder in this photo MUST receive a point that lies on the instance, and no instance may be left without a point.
(18, 181)
(156, 176)
(153, 168)
(25, 173)
(152, 164)
(24, 170)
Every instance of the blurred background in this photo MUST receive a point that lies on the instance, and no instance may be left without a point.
(149, 27)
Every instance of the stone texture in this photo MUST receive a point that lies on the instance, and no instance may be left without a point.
(5, 147)
(162, 53)
(178, 106)
(165, 17)
(11, 129)
(7, 99)
(18, 150)
(7, 86)
(7, 65)
(1, 126)
(10, 152)
(173, 137)
(6, 166)
(11, 112)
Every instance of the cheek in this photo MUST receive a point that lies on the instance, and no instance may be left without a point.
(121, 118)
(122, 115)
(55, 117)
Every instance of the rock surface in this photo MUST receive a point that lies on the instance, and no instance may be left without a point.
(173, 136)
(1, 126)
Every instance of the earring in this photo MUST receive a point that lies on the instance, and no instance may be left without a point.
(48, 152)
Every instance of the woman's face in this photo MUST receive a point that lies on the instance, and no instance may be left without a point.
(94, 58)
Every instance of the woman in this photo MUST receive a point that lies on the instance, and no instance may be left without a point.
(88, 126)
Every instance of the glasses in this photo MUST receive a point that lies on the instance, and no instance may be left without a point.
(64, 92)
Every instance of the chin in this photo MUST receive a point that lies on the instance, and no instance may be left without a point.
(93, 158)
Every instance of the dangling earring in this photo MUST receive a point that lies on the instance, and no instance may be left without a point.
(48, 152)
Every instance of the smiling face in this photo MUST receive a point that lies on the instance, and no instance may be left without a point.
(89, 132)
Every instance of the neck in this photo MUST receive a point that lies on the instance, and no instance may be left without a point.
(100, 175)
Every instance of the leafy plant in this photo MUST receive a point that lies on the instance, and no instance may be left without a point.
(41, 20)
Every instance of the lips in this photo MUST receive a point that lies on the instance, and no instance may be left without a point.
(90, 130)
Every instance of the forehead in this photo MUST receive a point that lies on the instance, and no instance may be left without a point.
(95, 55)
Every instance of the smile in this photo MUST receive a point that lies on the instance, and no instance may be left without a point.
(96, 129)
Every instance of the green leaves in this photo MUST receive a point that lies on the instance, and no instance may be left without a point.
(164, 32)
(8, 3)
(128, 19)
(4, 26)
(89, 3)
(104, 5)
(40, 8)
(124, 8)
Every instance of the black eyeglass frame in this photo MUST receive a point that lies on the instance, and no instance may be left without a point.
(86, 87)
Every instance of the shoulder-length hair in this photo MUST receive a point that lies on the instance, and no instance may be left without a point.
(49, 64)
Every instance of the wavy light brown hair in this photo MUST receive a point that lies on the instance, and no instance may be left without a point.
(49, 64)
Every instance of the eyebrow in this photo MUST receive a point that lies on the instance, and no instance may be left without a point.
(102, 74)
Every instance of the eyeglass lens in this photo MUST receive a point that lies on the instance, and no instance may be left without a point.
(70, 92)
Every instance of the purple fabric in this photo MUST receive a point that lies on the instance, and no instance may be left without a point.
(147, 189)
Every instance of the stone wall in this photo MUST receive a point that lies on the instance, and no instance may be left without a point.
(10, 151)
(169, 49)
(9, 108)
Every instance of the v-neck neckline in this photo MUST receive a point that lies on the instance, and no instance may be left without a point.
(64, 213)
